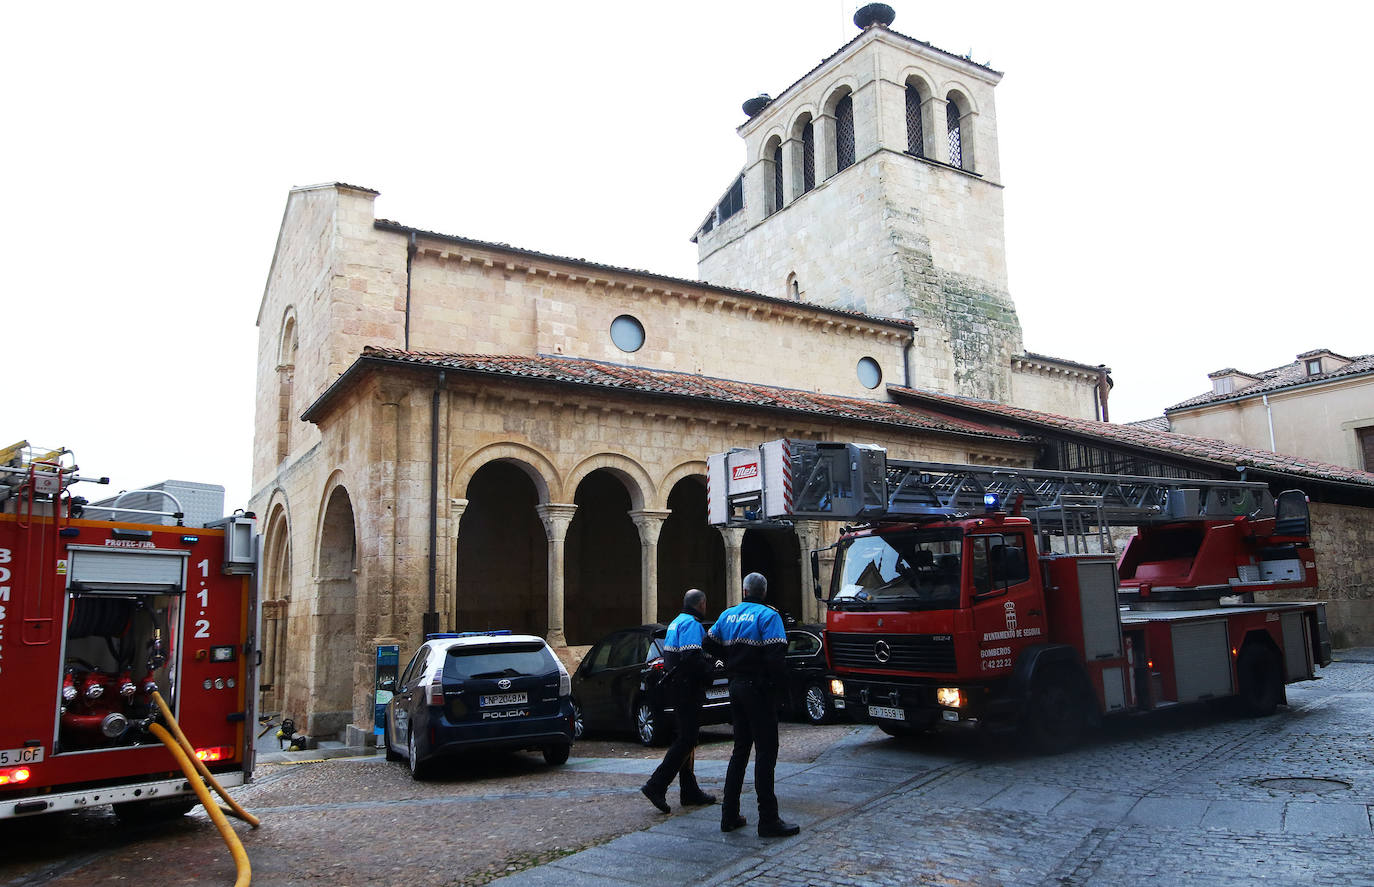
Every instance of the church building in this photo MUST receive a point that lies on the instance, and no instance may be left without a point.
(452, 434)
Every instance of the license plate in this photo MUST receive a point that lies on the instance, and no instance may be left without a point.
(20, 755)
(882, 711)
(717, 692)
(505, 699)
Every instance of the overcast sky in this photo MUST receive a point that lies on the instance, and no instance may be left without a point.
(1179, 188)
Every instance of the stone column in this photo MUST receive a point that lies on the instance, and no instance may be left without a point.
(448, 581)
(793, 156)
(935, 128)
(734, 540)
(556, 518)
(824, 132)
(650, 524)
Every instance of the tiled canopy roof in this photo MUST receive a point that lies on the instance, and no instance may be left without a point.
(662, 383)
(1201, 449)
(1279, 377)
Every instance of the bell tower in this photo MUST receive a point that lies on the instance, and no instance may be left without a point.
(872, 184)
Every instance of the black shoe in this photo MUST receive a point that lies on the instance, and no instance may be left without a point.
(700, 799)
(777, 829)
(729, 825)
(656, 798)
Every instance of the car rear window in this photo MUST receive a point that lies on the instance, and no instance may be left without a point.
(491, 661)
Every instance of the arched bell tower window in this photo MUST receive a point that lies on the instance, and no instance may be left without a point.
(955, 132)
(777, 177)
(808, 156)
(844, 133)
(915, 136)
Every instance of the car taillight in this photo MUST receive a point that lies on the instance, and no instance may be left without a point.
(217, 753)
(436, 687)
(564, 683)
(15, 775)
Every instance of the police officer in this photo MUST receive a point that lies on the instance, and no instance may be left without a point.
(755, 645)
(686, 667)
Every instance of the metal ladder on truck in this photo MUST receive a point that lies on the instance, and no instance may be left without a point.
(857, 483)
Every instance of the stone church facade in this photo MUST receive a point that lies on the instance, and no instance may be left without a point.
(452, 434)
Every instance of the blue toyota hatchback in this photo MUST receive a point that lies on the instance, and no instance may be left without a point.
(479, 690)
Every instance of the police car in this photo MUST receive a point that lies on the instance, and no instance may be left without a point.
(488, 690)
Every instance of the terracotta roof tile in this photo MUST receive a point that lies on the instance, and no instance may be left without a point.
(1204, 449)
(577, 371)
(1279, 377)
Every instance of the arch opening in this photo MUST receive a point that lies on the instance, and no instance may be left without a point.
(691, 553)
(336, 618)
(777, 555)
(501, 565)
(601, 560)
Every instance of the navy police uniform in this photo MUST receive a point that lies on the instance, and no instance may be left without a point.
(686, 667)
(755, 643)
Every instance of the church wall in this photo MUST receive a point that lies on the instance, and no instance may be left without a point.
(1050, 391)
(472, 300)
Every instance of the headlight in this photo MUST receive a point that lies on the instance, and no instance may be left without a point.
(837, 687)
(949, 697)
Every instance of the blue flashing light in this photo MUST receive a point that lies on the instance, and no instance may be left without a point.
(447, 635)
(991, 501)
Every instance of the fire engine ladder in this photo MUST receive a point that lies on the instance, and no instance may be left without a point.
(1072, 503)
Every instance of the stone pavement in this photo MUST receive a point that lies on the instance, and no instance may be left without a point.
(1190, 796)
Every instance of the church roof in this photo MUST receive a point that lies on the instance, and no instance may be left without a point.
(1289, 375)
(1216, 454)
(643, 381)
(389, 225)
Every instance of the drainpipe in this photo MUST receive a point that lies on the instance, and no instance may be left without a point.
(410, 260)
(431, 619)
(906, 358)
(1269, 413)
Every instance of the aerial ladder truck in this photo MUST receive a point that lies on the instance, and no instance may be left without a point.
(988, 595)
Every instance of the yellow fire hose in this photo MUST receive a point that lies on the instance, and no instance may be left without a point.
(245, 871)
(199, 775)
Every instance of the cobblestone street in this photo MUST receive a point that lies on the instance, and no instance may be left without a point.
(1191, 796)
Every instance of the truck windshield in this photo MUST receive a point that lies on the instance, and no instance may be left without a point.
(911, 570)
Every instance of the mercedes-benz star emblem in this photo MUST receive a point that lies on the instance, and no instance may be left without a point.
(504, 683)
(881, 651)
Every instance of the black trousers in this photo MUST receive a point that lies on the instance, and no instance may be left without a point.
(678, 760)
(754, 715)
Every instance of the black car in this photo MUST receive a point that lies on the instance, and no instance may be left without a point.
(616, 688)
(489, 690)
(809, 693)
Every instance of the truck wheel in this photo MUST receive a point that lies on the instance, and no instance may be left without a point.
(815, 704)
(1057, 714)
(391, 755)
(1260, 676)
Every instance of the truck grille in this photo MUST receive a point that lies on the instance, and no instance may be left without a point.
(905, 652)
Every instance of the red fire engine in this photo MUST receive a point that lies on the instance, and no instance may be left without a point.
(96, 616)
(947, 605)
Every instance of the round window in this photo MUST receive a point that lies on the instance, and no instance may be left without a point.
(870, 374)
(627, 333)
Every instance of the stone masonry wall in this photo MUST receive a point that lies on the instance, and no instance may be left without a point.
(1342, 539)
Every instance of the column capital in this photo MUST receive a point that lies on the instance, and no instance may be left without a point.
(649, 523)
(556, 517)
(456, 507)
(733, 536)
